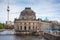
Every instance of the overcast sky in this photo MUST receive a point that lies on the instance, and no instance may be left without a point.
(43, 8)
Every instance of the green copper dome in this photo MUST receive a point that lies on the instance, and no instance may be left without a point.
(46, 19)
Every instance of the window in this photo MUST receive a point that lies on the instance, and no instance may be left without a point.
(25, 24)
(33, 27)
(29, 27)
(24, 27)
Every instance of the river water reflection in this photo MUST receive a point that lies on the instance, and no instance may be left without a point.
(14, 37)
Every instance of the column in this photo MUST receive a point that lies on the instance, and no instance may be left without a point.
(22, 26)
(34, 26)
(19, 28)
(27, 26)
(15, 26)
(31, 27)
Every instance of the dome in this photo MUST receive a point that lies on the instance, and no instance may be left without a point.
(28, 12)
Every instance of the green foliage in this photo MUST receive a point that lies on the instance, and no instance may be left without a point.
(1, 26)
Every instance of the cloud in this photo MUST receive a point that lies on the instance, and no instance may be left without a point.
(43, 8)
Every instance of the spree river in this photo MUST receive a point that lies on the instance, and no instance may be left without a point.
(6, 36)
(14, 37)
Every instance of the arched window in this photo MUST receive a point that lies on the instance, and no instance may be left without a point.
(25, 24)
(29, 27)
(36, 27)
(24, 27)
(33, 27)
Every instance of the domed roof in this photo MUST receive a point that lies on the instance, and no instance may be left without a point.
(28, 11)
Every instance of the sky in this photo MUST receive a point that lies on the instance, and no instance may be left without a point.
(42, 8)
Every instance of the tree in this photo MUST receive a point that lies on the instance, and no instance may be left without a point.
(1, 26)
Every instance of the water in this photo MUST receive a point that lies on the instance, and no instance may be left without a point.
(7, 32)
(14, 37)
(4, 36)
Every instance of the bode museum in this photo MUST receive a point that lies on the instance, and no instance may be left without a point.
(27, 22)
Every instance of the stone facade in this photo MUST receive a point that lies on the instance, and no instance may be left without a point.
(27, 22)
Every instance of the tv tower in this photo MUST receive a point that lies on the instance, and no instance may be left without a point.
(8, 10)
